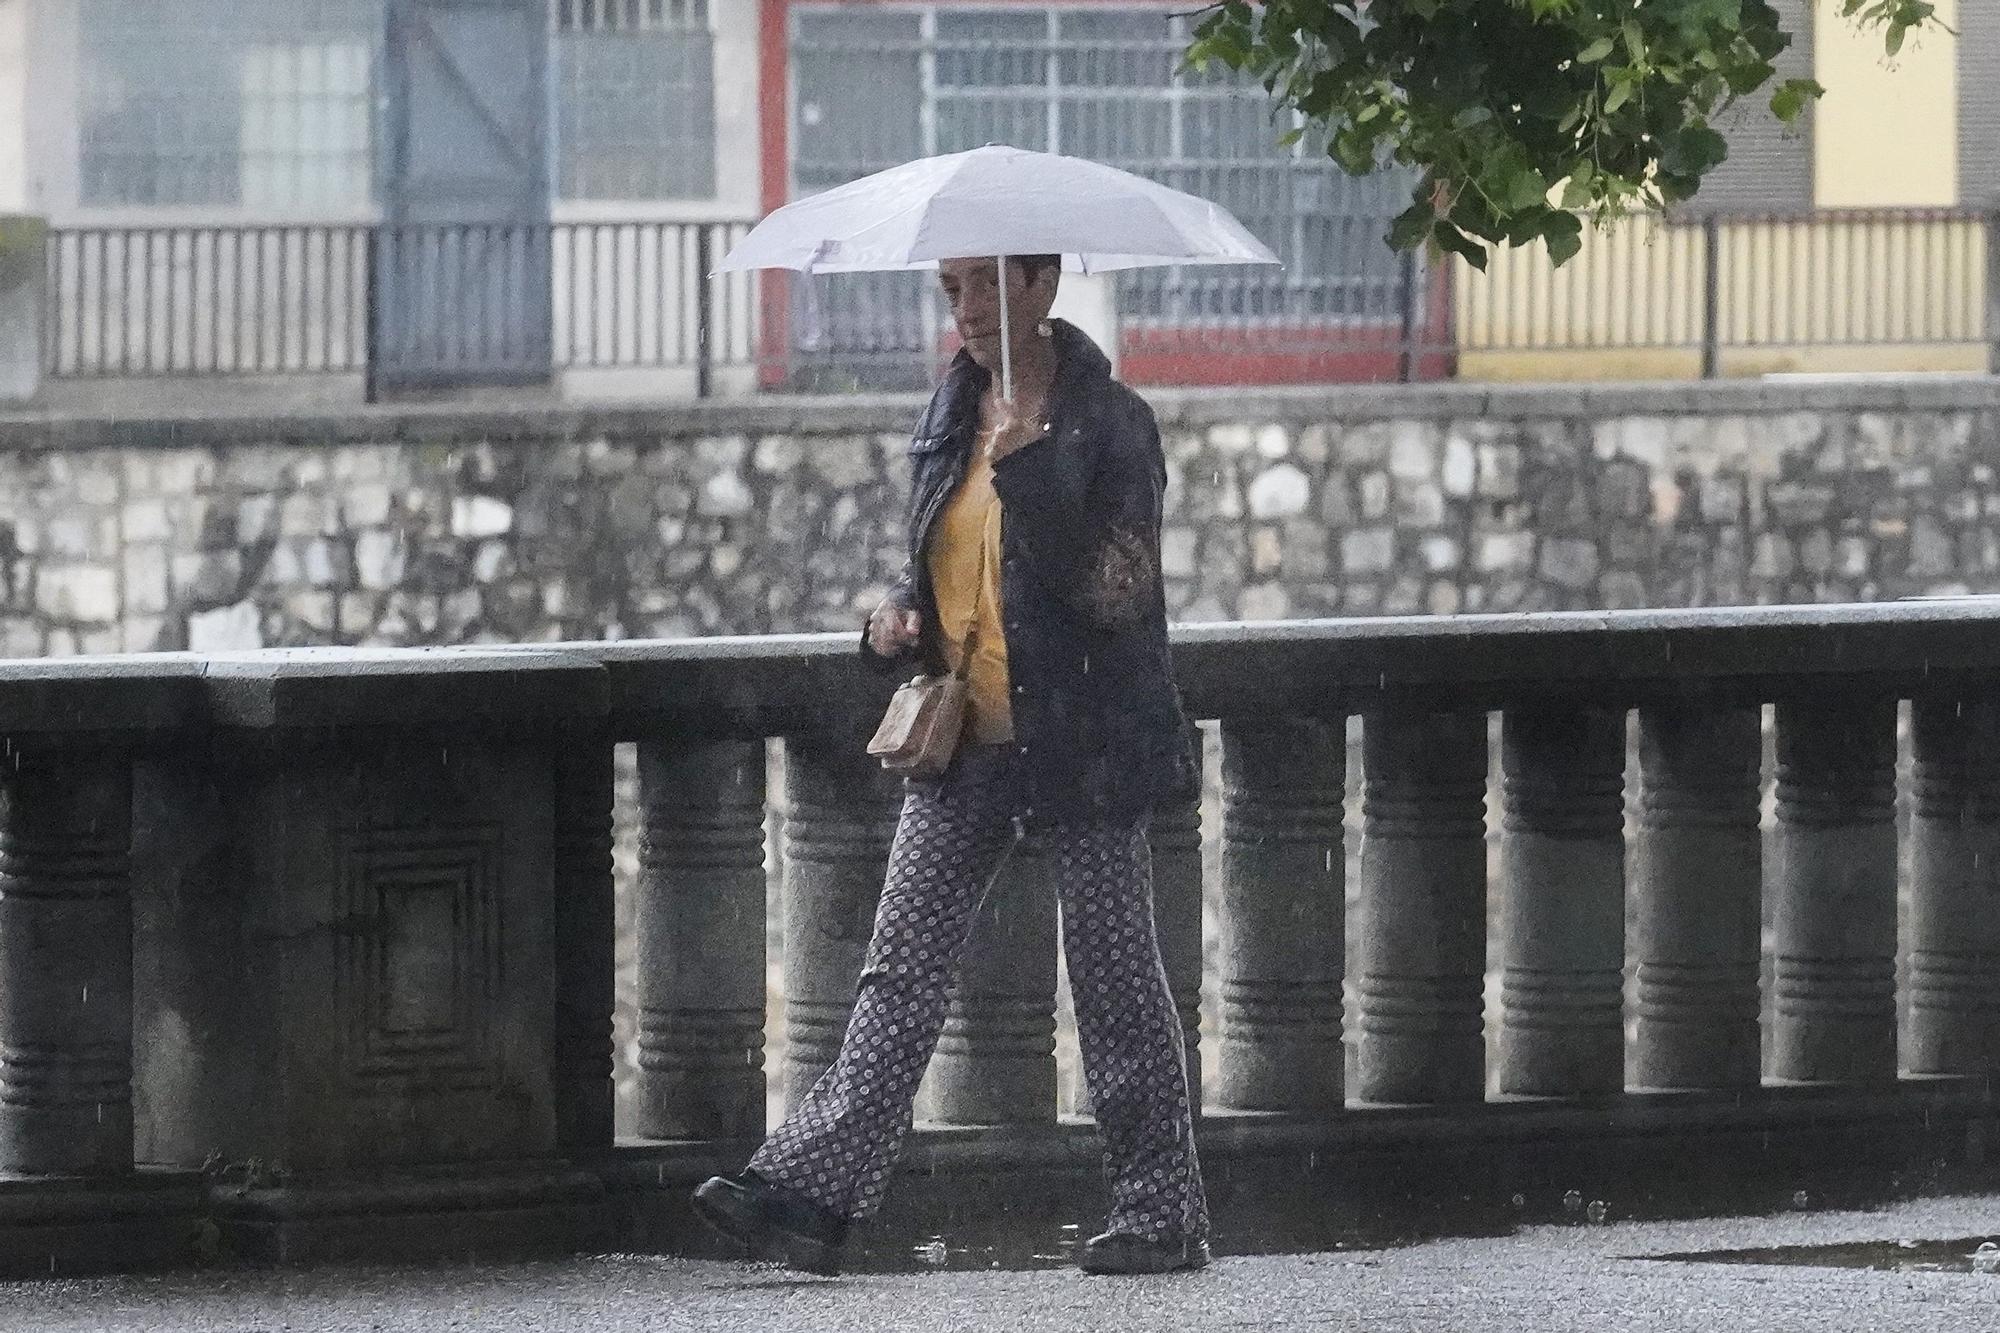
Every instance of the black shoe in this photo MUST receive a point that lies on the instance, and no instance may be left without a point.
(772, 1222)
(1122, 1252)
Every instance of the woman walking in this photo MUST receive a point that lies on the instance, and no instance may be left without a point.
(1034, 570)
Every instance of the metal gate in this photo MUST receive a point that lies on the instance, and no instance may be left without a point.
(459, 277)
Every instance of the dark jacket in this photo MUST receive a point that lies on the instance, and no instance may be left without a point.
(1098, 725)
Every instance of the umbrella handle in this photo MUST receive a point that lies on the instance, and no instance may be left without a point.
(1006, 334)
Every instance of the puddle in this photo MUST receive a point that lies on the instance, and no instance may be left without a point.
(1059, 1249)
(1881, 1256)
(1003, 1239)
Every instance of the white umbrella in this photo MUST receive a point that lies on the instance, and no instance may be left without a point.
(996, 201)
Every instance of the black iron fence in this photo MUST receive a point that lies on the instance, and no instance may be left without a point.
(459, 303)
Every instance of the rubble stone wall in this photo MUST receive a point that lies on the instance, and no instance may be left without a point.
(435, 524)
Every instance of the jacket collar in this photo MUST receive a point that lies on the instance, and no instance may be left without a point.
(1081, 372)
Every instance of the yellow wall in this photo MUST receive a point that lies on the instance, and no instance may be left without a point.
(1886, 133)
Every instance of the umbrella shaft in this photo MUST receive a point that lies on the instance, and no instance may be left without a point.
(1006, 333)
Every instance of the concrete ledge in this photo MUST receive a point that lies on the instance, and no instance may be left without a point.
(752, 687)
(66, 1226)
(319, 687)
(1282, 1182)
(769, 685)
(489, 1213)
(460, 423)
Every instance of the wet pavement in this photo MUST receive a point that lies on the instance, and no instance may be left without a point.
(1753, 1273)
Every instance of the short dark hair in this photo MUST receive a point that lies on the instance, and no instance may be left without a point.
(1032, 266)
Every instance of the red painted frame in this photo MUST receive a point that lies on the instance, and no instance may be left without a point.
(1365, 352)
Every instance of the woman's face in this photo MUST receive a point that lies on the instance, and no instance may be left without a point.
(974, 296)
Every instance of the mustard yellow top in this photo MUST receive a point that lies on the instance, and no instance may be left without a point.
(964, 560)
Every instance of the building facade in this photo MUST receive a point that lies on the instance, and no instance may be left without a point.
(231, 186)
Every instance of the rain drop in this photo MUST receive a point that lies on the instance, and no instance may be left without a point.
(1800, 1199)
(1986, 1259)
(1597, 1211)
(1573, 1200)
(933, 1254)
(1520, 1201)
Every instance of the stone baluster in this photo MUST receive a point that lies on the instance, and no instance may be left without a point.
(995, 1060)
(1284, 915)
(1562, 910)
(1834, 887)
(701, 940)
(585, 946)
(1953, 1018)
(1694, 942)
(1174, 838)
(840, 817)
(1423, 908)
(65, 961)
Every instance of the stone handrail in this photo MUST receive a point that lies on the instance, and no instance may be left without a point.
(346, 916)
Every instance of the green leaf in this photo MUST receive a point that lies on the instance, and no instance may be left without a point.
(1792, 97)
(1457, 242)
(1562, 233)
(1635, 40)
(1595, 52)
(1526, 188)
(1471, 116)
(1894, 41)
(1695, 150)
(1577, 190)
(1618, 97)
(1411, 226)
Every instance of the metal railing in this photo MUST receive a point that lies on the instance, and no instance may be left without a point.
(442, 301)
(1719, 283)
(1721, 293)
(455, 303)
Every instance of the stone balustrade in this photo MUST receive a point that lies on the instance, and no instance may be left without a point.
(315, 947)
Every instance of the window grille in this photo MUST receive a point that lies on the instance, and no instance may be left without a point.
(636, 113)
(880, 85)
(629, 15)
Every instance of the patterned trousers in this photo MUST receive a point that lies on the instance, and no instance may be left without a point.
(838, 1147)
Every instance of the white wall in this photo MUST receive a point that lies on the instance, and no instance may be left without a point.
(13, 105)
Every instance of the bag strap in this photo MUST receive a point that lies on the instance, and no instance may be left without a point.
(971, 647)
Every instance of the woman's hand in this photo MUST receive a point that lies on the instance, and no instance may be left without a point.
(1012, 431)
(893, 629)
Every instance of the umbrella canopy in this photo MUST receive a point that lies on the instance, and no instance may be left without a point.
(996, 201)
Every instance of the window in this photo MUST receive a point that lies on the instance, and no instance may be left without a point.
(305, 124)
(1099, 82)
(637, 106)
(207, 102)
